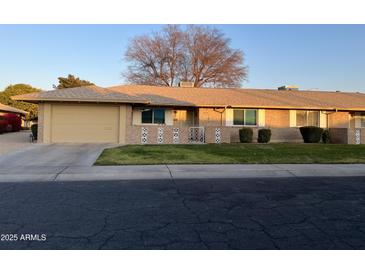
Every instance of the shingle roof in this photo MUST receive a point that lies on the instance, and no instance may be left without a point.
(10, 109)
(80, 94)
(235, 97)
(205, 97)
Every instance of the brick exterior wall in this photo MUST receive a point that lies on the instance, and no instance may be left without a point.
(338, 120)
(211, 117)
(134, 134)
(279, 123)
(210, 134)
(351, 139)
(277, 118)
(339, 135)
(278, 135)
(342, 131)
(228, 135)
(346, 136)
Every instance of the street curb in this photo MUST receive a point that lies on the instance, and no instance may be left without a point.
(166, 172)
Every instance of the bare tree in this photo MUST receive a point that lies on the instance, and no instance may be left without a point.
(198, 54)
(155, 59)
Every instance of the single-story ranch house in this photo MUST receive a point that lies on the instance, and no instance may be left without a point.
(139, 114)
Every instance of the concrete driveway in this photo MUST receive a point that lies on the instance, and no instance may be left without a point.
(21, 160)
(13, 141)
(42, 156)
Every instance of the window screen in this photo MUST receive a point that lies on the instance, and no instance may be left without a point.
(238, 117)
(153, 116)
(147, 116)
(301, 118)
(307, 118)
(313, 118)
(245, 117)
(159, 116)
(250, 117)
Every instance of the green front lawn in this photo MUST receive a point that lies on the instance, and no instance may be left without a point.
(232, 154)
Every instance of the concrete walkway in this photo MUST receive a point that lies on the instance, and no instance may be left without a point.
(40, 173)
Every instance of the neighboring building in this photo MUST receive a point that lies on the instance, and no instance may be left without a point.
(4, 109)
(135, 114)
(8, 109)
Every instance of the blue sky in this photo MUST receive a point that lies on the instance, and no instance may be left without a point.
(325, 57)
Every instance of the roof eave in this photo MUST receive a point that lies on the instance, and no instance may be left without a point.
(14, 112)
(42, 100)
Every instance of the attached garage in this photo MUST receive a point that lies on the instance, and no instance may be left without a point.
(84, 123)
(81, 123)
(87, 114)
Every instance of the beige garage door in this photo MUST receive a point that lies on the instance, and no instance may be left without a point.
(84, 124)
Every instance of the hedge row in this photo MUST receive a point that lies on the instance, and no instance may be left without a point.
(310, 134)
(313, 134)
(246, 134)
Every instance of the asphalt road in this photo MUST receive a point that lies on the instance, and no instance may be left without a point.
(279, 213)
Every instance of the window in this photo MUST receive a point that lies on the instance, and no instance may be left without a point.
(159, 116)
(313, 118)
(238, 117)
(147, 116)
(307, 118)
(184, 117)
(362, 119)
(153, 116)
(245, 117)
(250, 117)
(301, 118)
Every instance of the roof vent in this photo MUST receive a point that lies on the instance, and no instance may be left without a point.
(288, 88)
(186, 84)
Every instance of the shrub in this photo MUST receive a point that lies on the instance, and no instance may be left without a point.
(14, 121)
(34, 129)
(264, 135)
(246, 134)
(311, 134)
(326, 137)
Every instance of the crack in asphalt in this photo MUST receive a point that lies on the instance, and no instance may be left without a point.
(59, 173)
(174, 214)
(106, 241)
(263, 228)
(183, 199)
